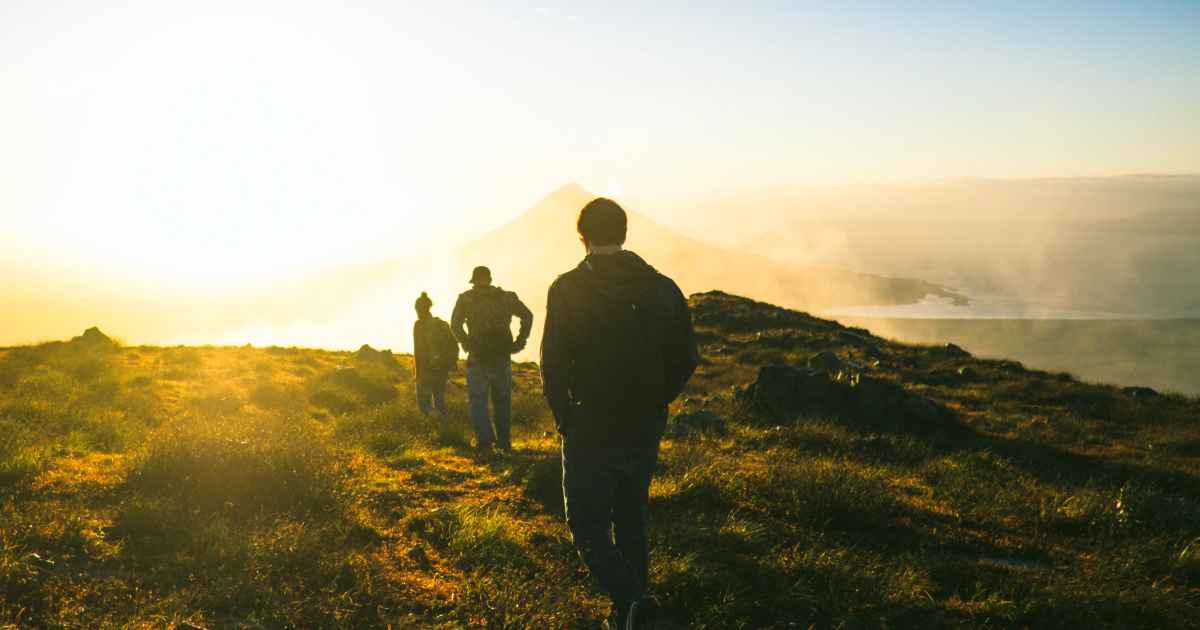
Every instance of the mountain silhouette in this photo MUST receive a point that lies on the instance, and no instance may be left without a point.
(527, 254)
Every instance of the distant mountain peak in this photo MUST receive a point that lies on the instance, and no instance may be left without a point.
(571, 188)
(568, 198)
(569, 192)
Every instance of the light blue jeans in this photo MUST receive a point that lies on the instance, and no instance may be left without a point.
(492, 379)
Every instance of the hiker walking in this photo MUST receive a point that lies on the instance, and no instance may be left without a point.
(487, 312)
(618, 347)
(435, 355)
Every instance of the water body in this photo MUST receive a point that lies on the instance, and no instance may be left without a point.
(1110, 347)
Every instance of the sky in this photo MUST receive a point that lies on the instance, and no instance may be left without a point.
(201, 146)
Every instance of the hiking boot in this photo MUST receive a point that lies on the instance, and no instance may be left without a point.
(640, 617)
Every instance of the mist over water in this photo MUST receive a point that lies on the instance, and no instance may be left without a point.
(1159, 353)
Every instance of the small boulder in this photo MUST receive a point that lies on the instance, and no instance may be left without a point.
(1015, 367)
(829, 362)
(955, 351)
(873, 352)
(36, 560)
(856, 337)
(686, 424)
(1140, 392)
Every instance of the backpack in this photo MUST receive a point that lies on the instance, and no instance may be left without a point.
(444, 346)
(489, 322)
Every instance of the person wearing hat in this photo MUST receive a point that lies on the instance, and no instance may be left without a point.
(482, 322)
(435, 353)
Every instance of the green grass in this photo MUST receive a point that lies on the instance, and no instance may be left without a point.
(286, 487)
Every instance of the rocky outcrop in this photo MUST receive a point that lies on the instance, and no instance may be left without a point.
(366, 355)
(92, 338)
(785, 393)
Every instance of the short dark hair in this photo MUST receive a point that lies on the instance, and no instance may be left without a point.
(602, 222)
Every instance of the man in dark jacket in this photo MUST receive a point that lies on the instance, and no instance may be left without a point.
(618, 347)
(487, 312)
(435, 352)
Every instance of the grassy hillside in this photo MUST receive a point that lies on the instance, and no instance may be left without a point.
(281, 487)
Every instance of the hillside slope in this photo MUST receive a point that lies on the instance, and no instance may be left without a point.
(527, 254)
(896, 486)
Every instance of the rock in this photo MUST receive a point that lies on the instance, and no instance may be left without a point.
(93, 338)
(872, 352)
(367, 354)
(686, 424)
(38, 561)
(829, 362)
(856, 337)
(1140, 392)
(955, 351)
(785, 393)
(938, 377)
(968, 372)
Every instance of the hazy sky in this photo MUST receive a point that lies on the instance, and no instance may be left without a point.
(216, 142)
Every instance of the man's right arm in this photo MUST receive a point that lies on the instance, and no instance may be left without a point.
(457, 319)
(556, 357)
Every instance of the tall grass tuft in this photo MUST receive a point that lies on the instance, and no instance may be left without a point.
(250, 464)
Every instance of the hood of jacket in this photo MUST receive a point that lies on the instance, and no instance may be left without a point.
(623, 275)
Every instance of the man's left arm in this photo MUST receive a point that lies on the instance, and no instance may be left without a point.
(679, 348)
(526, 316)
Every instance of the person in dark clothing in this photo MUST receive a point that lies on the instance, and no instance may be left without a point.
(618, 347)
(487, 313)
(435, 354)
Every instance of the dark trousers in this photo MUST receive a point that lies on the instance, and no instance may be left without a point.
(606, 492)
(431, 394)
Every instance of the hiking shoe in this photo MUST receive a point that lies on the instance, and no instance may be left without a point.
(640, 615)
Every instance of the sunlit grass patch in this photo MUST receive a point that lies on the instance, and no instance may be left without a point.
(347, 389)
(384, 429)
(247, 464)
(983, 487)
(483, 537)
(477, 537)
(824, 490)
(215, 400)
